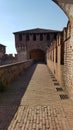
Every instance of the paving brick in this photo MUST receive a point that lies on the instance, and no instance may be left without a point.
(40, 107)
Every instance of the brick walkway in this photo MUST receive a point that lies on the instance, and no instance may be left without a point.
(33, 103)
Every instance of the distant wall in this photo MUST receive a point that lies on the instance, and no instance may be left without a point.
(9, 72)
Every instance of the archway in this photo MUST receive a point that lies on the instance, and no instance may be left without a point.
(37, 55)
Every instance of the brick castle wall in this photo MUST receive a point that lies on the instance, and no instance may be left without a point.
(9, 72)
(60, 59)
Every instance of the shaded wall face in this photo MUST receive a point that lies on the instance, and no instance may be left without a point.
(8, 73)
(2, 51)
(32, 41)
(40, 43)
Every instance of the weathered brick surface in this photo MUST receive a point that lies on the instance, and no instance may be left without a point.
(67, 7)
(9, 72)
(40, 107)
(62, 64)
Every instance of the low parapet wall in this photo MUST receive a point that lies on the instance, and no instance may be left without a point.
(9, 72)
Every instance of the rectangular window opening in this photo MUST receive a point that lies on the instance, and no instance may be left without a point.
(41, 37)
(34, 37)
(27, 37)
(20, 37)
(48, 37)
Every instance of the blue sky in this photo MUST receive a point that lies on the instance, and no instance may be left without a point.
(18, 15)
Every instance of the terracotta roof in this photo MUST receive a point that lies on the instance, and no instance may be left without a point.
(37, 30)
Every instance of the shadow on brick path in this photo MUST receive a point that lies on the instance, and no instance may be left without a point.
(10, 100)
